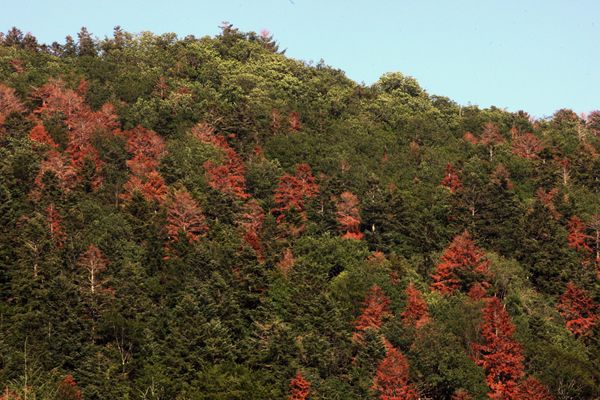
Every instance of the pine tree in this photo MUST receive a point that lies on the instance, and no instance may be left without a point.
(184, 217)
(416, 313)
(374, 310)
(500, 354)
(451, 180)
(348, 216)
(299, 387)
(392, 379)
(578, 309)
(461, 265)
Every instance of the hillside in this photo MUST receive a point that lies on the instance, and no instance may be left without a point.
(206, 218)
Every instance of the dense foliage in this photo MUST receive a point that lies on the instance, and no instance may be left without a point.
(205, 218)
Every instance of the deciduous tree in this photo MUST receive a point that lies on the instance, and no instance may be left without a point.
(416, 313)
(451, 181)
(185, 217)
(348, 216)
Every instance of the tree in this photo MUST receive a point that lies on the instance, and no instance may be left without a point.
(94, 263)
(416, 313)
(185, 217)
(491, 138)
(40, 135)
(532, 389)
(294, 120)
(9, 103)
(451, 181)
(500, 354)
(461, 395)
(374, 310)
(348, 216)
(461, 265)
(67, 389)
(577, 238)
(392, 379)
(299, 387)
(55, 225)
(527, 146)
(293, 191)
(578, 309)
(251, 223)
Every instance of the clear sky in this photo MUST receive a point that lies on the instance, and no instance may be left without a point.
(536, 55)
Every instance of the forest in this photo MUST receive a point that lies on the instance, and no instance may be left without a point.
(207, 218)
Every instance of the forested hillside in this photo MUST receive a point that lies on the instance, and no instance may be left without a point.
(206, 218)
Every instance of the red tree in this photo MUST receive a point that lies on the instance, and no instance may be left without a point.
(451, 179)
(40, 135)
(500, 355)
(294, 191)
(251, 224)
(532, 389)
(491, 137)
(228, 177)
(391, 378)
(55, 164)
(547, 200)
(417, 312)
(299, 387)
(294, 119)
(94, 263)
(527, 146)
(577, 238)
(9, 103)
(185, 217)
(375, 308)
(67, 389)
(461, 394)
(348, 216)
(470, 138)
(286, 263)
(55, 225)
(147, 148)
(578, 309)
(460, 263)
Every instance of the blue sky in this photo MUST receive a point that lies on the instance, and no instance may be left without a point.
(536, 55)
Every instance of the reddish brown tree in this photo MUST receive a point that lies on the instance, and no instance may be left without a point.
(40, 135)
(500, 354)
(392, 377)
(532, 389)
(294, 191)
(348, 216)
(251, 224)
(416, 313)
(461, 394)
(299, 387)
(287, 262)
(451, 181)
(8, 394)
(491, 138)
(374, 310)
(527, 146)
(55, 225)
(67, 389)
(9, 103)
(227, 178)
(501, 177)
(56, 165)
(461, 265)
(578, 309)
(275, 121)
(294, 120)
(94, 263)
(151, 187)
(185, 217)
(147, 148)
(577, 238)
(470, 138)
(547, 200)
